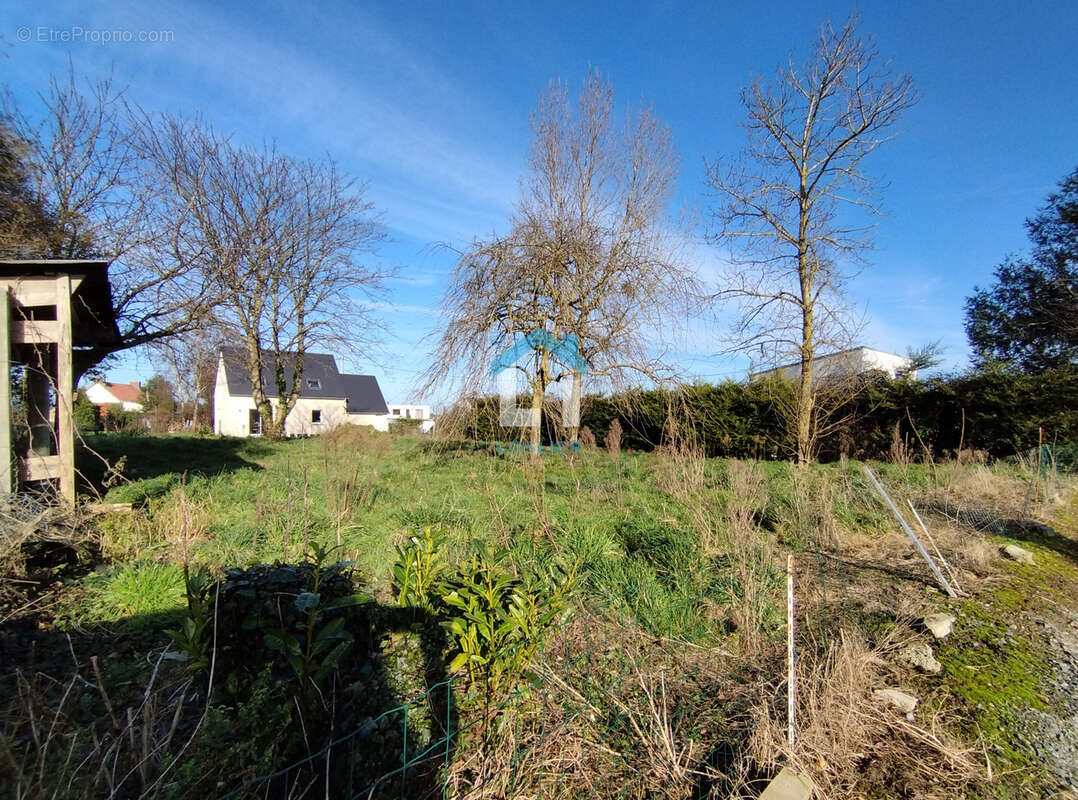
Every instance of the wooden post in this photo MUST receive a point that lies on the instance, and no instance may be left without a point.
(65, 381)
(6, 456)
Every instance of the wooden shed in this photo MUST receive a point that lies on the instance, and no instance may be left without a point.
(52, 308)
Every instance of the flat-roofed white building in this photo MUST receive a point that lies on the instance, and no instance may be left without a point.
(855, 361)
(412, 411)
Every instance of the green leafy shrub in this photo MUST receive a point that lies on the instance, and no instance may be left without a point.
(194, 637)
(418, 569)
(499, 622)
(87, 415)
(995, 409)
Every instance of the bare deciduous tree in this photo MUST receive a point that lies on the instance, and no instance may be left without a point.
(589, 253)
(279, 241)
(91, 183)
(789, 205)
(189, 360)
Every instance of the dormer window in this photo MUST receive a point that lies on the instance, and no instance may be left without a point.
(314, 383)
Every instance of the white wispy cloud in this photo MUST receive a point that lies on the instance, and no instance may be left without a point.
(375, 105)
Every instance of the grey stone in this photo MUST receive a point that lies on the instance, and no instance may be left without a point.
(905, 703)
(1017, 553)
(940, 625)
(920, 655)
(788, 785)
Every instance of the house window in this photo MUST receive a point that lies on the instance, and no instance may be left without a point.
(316, 416)
(314, 383)
(408, 413)
(254, 422)
(396, 412)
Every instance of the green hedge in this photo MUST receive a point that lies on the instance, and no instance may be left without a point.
(1002, 412)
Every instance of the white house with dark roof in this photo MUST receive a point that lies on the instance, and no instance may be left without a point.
(328, 399)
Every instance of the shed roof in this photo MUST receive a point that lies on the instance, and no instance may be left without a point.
(93, 320)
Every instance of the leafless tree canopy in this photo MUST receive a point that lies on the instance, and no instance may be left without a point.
(282, 243)
(189, 360)
(589, 251)
(792, 207)
(96, 199)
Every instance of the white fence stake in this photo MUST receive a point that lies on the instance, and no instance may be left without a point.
(791, 680)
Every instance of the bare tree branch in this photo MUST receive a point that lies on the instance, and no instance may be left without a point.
(281, 243)
(589, 253)
(785, 206)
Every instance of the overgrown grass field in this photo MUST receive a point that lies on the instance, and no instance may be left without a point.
(649, 532)
(606, 624)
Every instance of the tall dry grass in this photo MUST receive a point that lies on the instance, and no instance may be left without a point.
(46, 753)
(752, 554)
(845, 734)
(680, 461)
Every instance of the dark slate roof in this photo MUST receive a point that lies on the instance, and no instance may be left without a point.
(361, 392)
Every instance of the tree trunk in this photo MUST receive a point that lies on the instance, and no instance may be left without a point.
(805, 394)
(573, 430)
(275, 428)
(538, 396)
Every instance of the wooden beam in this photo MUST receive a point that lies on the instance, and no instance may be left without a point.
(6, 460)
(34, 291)
(40, 468)
(40, 331)
(65, 386)
(30, 292)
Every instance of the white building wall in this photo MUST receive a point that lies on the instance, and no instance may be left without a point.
(850, 362)
(380, 422)
(412, 411)
(232, 414)
(408, 411)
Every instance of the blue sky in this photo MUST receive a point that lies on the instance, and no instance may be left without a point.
(429, 103)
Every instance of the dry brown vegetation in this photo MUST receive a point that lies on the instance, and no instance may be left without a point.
(636, 696)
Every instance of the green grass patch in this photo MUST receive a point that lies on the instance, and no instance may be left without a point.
(139, 595)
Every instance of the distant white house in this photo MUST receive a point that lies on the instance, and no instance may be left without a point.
(856, 361)
(406, 411)
(128, 396)
(328, 398)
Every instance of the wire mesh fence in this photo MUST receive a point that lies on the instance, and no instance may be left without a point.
(604, 711)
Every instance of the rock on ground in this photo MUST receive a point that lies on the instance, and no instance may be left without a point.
(920, 655)
(788, 785)
(1017, 553)
(940, 625)
(905, 703)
